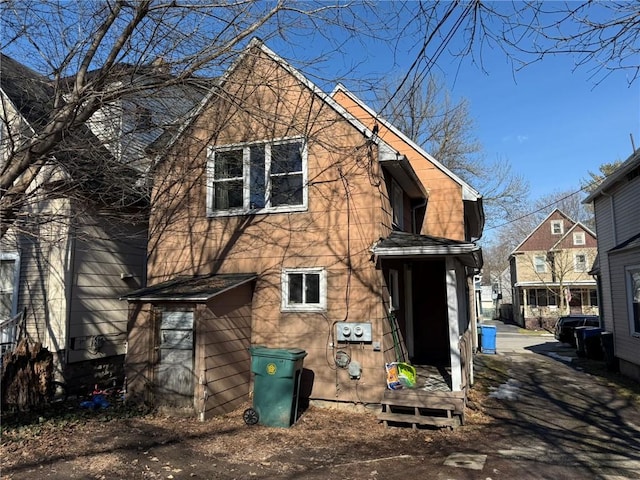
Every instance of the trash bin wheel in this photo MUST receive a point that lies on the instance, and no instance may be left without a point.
(250, 416)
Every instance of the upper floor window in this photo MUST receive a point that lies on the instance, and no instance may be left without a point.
(540, 263)
(397, 206)
(580, 262)
(578, 238)
(253, 177)
(557, 227)
(304, 289)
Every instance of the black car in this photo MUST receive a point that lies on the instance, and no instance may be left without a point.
(565, 326)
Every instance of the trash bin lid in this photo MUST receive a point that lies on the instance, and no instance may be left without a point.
(284, 353)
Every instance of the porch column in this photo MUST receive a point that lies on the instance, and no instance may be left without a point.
(454, 326)
(408, 309)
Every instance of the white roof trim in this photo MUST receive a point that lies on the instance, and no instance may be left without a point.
(468, 192)
(256, 42)
(515, 250)
(628, 165)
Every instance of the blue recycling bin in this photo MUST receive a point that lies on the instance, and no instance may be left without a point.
(488, 338)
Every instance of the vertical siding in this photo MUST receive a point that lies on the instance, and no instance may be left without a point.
(223, 361)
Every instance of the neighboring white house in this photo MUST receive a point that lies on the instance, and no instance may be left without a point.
(616, 205)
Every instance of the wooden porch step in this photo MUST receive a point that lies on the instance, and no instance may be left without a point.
(414, 420)
(415, 407)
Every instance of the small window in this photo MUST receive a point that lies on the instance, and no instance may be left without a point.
(580, 263)
(633, 296)
(557, 227)
(578, 238)
(540, 263)
(397, 206)
(304, 290)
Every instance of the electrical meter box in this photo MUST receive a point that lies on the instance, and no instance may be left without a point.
(353, 332)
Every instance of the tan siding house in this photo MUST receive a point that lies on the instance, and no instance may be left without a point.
(616, 204)
(550, 272)
(278, 219)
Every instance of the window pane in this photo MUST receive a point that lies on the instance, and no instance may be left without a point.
(228, 164)
(635, 299)
(227, 194)
(7, 273)
(257, 172)
(5, 305)
(542, 298)
(295, 288)
(286, 190)
(312, 288)
(286, 158)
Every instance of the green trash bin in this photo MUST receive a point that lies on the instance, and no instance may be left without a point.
(276, 386)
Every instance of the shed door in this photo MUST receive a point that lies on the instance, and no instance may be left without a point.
(174, 386)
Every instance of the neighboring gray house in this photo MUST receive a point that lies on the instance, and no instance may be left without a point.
(80, 242)
(616, 205)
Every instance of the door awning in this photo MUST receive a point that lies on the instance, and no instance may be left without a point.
(198, 288)
(403, 245)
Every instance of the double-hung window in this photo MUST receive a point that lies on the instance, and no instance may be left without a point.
(257, 177)
(580, 262)
(540, 263)
(304, 290)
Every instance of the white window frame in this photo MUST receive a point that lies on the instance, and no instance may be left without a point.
(8, 335)
(543, 264)
(579, 238)
(576, 264)
(321, 306)
(633, 296)
(559, 224)
(246, 178)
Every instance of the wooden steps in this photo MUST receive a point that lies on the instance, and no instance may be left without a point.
(417, 407)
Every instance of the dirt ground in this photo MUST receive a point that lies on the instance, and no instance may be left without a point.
(324, 443)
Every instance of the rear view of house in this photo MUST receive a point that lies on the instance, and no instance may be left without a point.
(280, 219)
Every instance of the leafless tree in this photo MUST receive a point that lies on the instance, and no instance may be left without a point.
(426, 113)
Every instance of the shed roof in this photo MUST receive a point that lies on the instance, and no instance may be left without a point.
(196, 288)
(411, 245)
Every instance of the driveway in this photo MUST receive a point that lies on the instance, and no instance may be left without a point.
(531, 416)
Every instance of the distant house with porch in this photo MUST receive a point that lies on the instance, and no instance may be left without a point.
(550, 272)
(289, 218)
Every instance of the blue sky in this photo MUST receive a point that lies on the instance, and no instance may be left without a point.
(553, 124)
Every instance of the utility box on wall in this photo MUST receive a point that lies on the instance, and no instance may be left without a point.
(353, 332)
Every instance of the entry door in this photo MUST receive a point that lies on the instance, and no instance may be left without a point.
(175, 379)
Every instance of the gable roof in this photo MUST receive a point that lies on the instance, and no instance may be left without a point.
(468, 192)
(571, 229)
(29, 92)
(628, 166)
(543, 222)
(406, 175)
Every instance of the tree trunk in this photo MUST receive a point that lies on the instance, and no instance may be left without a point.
(27, 376)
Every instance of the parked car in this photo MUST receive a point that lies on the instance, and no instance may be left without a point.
(565, 326)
